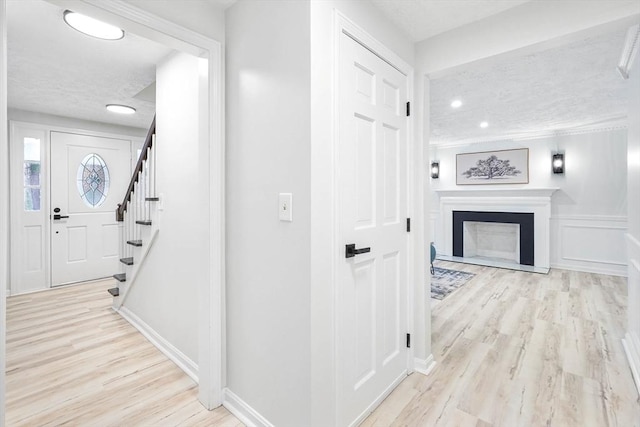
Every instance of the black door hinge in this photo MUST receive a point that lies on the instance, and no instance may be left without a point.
(408, 225)
(408, 109)
(408, 340)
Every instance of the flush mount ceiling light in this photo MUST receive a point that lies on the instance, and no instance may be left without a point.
(92, 27)
(121, 109)
(456, 103)
(484, 125)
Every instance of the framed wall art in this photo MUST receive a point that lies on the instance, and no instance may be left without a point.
(493, 167)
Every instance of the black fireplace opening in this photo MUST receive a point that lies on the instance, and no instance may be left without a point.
(525, 220)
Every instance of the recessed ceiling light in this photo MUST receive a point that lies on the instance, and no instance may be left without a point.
(484, 125)
(92, 27)
(121, 109)
(456, 103)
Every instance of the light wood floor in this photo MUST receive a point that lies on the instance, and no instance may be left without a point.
(71, 360)
(521, 349)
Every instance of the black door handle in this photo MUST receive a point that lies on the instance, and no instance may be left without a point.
(58, 216)
(351, 250)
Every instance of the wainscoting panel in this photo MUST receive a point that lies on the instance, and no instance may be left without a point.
(594, 244)
(632, 339)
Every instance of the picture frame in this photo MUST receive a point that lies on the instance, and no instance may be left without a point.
(493, 167)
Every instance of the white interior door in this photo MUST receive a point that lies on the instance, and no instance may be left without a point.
(89, 176)
(372, 176)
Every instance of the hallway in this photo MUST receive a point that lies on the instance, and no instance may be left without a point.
(71, 359)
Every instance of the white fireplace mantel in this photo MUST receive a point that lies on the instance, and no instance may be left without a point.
(532, 200)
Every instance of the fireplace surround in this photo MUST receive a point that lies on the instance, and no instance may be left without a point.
(486, 203)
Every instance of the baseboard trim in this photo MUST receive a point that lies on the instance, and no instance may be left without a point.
(632, 349)
(621, 271)
(243, 411)
(424, 366)
(176, 356)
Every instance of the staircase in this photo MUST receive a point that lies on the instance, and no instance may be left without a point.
(137, 217)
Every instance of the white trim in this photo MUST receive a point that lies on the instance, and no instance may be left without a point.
(176, 356)
(629, 51)
(631, 345)
(242, 411)
(4, 202)
(633, 240)
(617, 123)
(608, 218)
(425, 366)
(211, 310)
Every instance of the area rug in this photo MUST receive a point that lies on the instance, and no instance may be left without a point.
(444, 281)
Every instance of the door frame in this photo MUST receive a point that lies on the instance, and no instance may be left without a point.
(343, 25)
(46, 195)
(211, 319)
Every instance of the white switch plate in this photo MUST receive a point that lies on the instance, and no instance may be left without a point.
(285, 207)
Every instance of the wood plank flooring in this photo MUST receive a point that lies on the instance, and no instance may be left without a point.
(522, 349)
(72, 361)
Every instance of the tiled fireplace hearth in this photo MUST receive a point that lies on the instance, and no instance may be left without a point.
(528, 209)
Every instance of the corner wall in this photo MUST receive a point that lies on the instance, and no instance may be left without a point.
(588, 213)
(267, 267)
(165, 293)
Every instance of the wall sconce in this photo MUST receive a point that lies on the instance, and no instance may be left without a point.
(558, 163)
(435, 170)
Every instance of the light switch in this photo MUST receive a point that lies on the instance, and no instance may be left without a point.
(285, 207)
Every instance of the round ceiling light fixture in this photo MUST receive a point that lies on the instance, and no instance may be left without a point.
(484, 125)
(92, 27)
(121, 109)
(456, 103)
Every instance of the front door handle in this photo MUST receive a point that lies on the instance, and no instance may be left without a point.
(351, 250)
(58, 216)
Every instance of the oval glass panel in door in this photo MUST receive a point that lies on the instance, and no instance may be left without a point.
(93, 180)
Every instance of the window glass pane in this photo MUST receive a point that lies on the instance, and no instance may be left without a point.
(32, 174)
(32, 149)
(93, 180)
(32, 199)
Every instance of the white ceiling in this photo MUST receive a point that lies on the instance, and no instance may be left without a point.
(54, 69)
(570, 87)
(421, 19)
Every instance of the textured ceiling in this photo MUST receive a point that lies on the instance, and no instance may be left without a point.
(54, 69)
(570, 87)
(421, 19)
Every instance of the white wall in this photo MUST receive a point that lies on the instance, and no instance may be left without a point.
(588, 213)
(632, 339)
(268, 152)
(165, 294)
(200, 16)
(279, 128)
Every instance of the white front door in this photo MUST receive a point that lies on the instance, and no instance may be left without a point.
(89, 176)
(372, 177)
